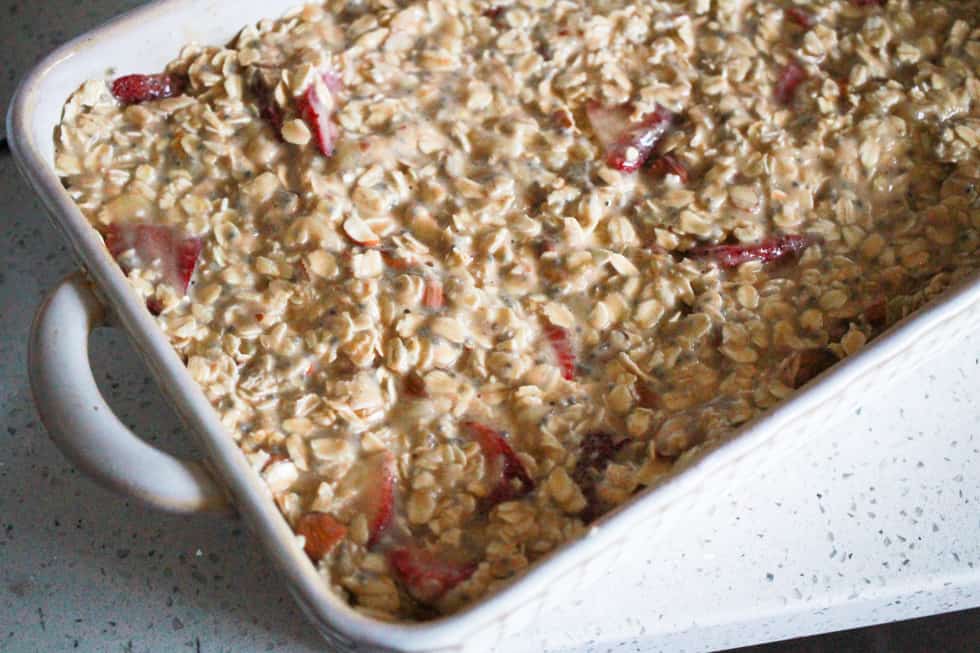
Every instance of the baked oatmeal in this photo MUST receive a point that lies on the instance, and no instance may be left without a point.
(460, 277)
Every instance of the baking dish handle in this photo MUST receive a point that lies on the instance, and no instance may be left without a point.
(84, 427)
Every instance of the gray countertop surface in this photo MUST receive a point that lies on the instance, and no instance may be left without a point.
(878, 522)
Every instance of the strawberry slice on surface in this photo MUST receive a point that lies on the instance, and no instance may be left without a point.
(561, 343)
(316, 112)
(134, 89)
(426, 575)
(322, 533)
(628, 145)
(378, 499)
(770, 249)
(790, 77)
(176, 252)
(506, 472)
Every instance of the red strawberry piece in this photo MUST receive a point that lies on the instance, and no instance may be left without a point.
(177, 253)
(316, 114)
(133, 89)
(595, 454)
(790, 77)
(154, 305)
(561, 343)
(628, 145)
(668, 164)
(188, 251)
(510, 479)
(322, 533)
(800, 16)
(432, 296)
(427, 576)
(378, 500)
(770, 249)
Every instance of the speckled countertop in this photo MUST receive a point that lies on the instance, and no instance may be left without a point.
(878, 521)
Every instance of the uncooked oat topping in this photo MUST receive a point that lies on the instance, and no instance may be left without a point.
(460, 277)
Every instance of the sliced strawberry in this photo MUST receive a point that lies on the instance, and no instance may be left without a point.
(506, 471)
(378, 500)
(790, 77)
(596, 452)
(628, 145)
(133, 89)
(316, 113)
(154, 305)
(432, 296)
(427, 576)
(770, 249)
(188, 251)
(800, 16)
(322, 533)
(177, 253)
(562, 344)
(668, 164)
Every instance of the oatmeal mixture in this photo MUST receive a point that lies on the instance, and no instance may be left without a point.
(460, 277)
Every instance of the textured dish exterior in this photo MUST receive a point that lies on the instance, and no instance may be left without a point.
(146, 39)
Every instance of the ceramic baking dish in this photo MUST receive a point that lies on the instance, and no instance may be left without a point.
(94, 439)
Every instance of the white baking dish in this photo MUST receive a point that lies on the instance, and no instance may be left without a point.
(83, 426)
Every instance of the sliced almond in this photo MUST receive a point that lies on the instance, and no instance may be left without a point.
(360, 232)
